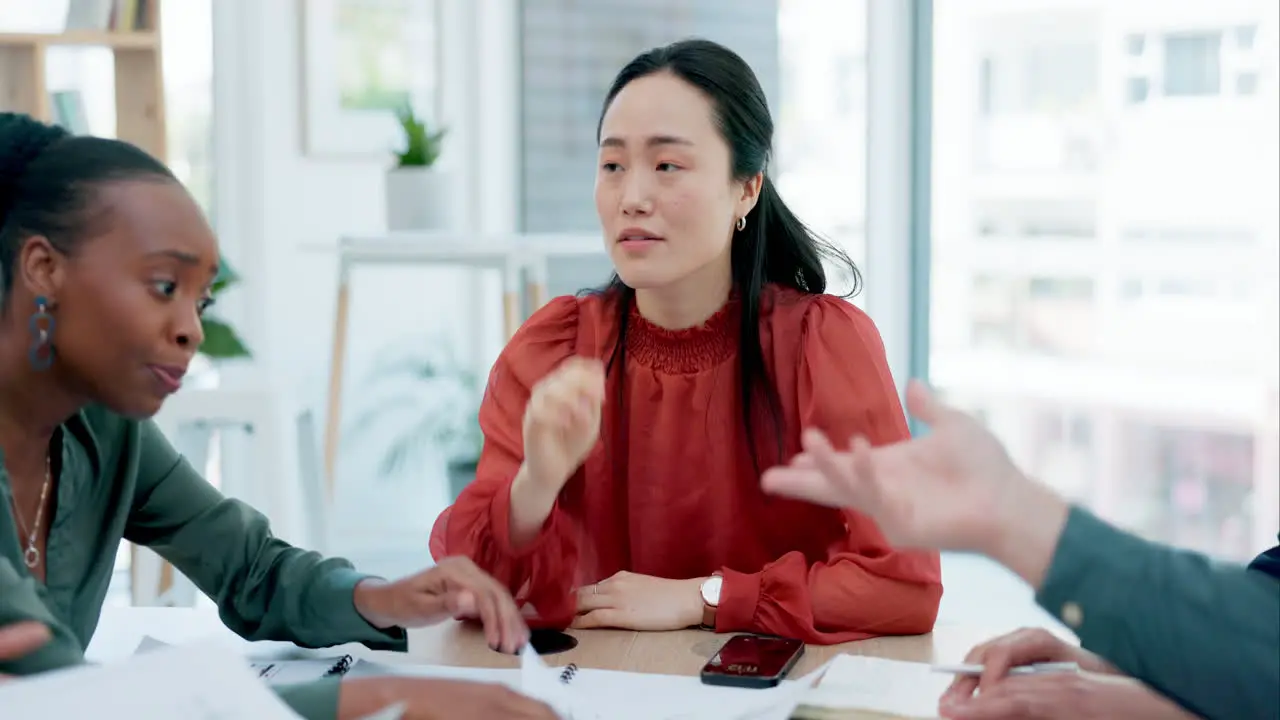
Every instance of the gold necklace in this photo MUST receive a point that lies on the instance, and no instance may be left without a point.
(31, 557)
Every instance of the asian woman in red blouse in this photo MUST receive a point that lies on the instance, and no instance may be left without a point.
(626, 430)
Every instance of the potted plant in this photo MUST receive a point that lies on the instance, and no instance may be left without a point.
(463, 461)
(221, 342)
(424, 406)
(418, 193)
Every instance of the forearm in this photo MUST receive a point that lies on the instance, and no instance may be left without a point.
(531, 505)
(1025, 536)
(265, 588)
(360, 698)
(1201, 632)
(317, 700)
(341, 699)
(297, 596)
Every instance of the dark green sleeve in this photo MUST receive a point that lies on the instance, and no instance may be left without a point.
(1204, 633)
(265, 588)
(19, 602)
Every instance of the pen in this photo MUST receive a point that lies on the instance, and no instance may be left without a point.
(1033, 669)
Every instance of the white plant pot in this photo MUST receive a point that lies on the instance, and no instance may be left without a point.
(419, 198)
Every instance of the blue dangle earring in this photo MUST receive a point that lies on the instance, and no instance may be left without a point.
(41, 326)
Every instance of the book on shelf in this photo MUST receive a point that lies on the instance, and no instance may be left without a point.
(68, 111)
(109, 15)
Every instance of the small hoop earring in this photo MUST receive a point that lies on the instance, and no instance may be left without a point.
(41, 326)
(742, 223)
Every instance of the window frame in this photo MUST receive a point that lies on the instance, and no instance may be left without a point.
(899, 156)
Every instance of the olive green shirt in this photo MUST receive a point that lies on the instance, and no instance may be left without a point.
(121, 479)
(1204, 633)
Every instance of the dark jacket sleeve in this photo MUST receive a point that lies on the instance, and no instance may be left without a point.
(265, 588)
(1202, 632)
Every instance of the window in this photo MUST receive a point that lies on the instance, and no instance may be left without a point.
(1099, 393)
(821, 119)
(1139, 90)
(1185, 287)
(1245, 35)
(1205, 62)
(986, 82)
(850, 75)
(1247, 83)
(1202, 481)
(1135, 45)
(1131, 288)
(1061, 288)
(1030, 219)
(1037, 79)
(1192, 64)
(1189, 236)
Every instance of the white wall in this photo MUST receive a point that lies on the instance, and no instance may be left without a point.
(274, 201)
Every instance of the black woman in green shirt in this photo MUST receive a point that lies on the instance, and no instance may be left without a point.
(105, 268)
(1156, 624)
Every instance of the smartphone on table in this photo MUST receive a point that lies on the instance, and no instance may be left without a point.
(752, 661)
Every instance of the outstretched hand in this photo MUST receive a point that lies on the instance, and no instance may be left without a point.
(939, 490)
(953, 489)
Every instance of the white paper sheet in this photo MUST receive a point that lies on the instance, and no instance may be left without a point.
(600, 694)
(895, 687)
(198, 682)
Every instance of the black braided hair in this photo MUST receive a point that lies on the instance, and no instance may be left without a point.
(47, 179)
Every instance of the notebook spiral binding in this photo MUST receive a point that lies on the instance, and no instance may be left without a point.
(340, 667)
(566, 675)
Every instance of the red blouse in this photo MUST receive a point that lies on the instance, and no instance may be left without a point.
(684, 500)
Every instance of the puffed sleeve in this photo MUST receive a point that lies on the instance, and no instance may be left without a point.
(477, 525)
(863, 587)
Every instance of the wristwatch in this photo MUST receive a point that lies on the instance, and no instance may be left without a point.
(710, 590)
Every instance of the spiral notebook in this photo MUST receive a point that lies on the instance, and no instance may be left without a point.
(288, 672)
(283, 671)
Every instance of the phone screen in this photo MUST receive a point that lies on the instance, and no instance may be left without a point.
(748, 657)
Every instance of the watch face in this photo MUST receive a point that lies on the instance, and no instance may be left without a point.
(711, 590)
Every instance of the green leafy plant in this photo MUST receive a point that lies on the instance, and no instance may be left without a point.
(221, 341)
(421, 144)
(423, 402)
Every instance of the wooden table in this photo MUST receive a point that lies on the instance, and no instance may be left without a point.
(682, 652)
(463, 645)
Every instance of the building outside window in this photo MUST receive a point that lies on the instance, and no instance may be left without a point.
(1105, 254)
